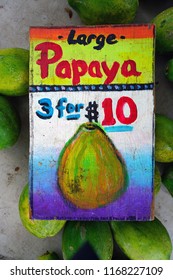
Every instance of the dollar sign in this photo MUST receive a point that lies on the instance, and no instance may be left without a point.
(92, 111)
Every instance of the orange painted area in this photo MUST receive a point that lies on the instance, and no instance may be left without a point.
(128, 31)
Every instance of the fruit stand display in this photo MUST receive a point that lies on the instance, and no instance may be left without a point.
(22, 238)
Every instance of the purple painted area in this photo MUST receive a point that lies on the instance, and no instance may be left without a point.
(135, 204)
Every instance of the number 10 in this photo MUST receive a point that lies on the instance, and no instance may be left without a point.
(120, 114)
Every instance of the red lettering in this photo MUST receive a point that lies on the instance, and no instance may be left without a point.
(94, 69)
(120, 110)
(110, 72)
(79, 68)
(129, 69)
(63, 70)
(51, 53)
(107, 106)
(44, 60)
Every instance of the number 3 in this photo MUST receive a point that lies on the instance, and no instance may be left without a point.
(46, 107)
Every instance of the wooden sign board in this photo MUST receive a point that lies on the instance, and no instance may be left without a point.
(92, 122)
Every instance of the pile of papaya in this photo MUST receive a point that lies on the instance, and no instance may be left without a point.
(108, 239)
(14, 81)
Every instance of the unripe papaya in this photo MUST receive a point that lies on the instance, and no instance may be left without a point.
(39, 228)
(164, 26)
(167, 179)
(10, 124)
(169, 70)
(49, 256)
(77, 234)
(163, 139)
(105, 12)
(14, 71)
(148, 240)
(157, 180)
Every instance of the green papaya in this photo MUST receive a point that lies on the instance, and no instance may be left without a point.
(10, 125)
(167, 179)
(164, 26)
(39, 228)
(49, 256)
(169, 70)
(14, 71)
(157, 180)
(94, 12)
(163, 138)
(91, 171)
(142, 240)
(97, 234)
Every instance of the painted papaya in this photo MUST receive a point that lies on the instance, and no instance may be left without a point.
(91, 171)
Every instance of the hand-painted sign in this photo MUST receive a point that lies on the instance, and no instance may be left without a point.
(92, 122)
